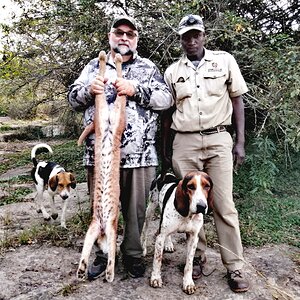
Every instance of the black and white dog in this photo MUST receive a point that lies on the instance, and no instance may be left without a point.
(182, 204)
(51, 177)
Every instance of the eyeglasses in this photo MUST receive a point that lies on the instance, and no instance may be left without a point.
(120, 33)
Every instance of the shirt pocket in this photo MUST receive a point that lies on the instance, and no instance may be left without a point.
(215, 83)
(183, 92)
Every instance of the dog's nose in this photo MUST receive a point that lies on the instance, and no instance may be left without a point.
(201, 209)
(64, 197)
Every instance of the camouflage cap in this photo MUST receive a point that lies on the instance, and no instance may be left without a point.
(120, 20)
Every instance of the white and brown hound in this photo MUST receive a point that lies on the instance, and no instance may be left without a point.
(182, 204)
(51, 177)
(109, 125)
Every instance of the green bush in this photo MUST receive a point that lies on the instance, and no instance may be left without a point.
(267, 195)
(259, 172)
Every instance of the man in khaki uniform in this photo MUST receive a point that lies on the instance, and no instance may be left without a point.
(207, 88)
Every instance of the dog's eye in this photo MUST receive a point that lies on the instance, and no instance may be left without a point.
(191, 187)
(207, 187)
(60, 185)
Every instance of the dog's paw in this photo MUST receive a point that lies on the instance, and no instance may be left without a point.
(47, 218)
(188, 287)
(156, 282)
(54, 216)
(109, 276)
(81, 271)
(169, 247)
(80, 274)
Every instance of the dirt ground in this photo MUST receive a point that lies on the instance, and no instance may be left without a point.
(43, 271)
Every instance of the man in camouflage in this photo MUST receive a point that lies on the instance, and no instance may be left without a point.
(146, 94)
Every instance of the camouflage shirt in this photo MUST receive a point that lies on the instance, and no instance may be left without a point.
(152, 95)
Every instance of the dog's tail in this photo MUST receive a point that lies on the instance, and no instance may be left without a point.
(39, 148)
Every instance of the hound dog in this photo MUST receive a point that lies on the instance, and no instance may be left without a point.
(182, 204)
(51, 177)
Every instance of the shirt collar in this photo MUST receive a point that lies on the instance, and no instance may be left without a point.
(207, 57)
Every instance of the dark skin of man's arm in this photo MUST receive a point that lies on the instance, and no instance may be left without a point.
(166, 139)
(239, 120)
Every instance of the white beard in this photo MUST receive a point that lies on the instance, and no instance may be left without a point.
(123, 50)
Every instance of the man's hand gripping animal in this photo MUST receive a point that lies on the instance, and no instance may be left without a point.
(109, 123)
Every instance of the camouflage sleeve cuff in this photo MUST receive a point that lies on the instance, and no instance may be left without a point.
(142, 95)
(80, 98)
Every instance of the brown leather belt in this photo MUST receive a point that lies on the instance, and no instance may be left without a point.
(208, 131)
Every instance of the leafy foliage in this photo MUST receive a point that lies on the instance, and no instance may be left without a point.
(260, 162)
(263, 169)
(268, 216)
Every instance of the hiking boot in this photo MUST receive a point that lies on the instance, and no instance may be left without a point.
(237, 282)
(97, 268)
(198, 265)
(134, 266)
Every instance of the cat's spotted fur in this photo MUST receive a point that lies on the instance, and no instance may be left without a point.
(109, 125)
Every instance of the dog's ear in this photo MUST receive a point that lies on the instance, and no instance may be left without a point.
(210, 199)
(73, 181)
(181, 201)
(53, 182)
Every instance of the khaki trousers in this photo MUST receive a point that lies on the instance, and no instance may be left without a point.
(135, 185)
(213, 154)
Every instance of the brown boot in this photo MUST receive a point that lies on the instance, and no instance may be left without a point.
(237, 282)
